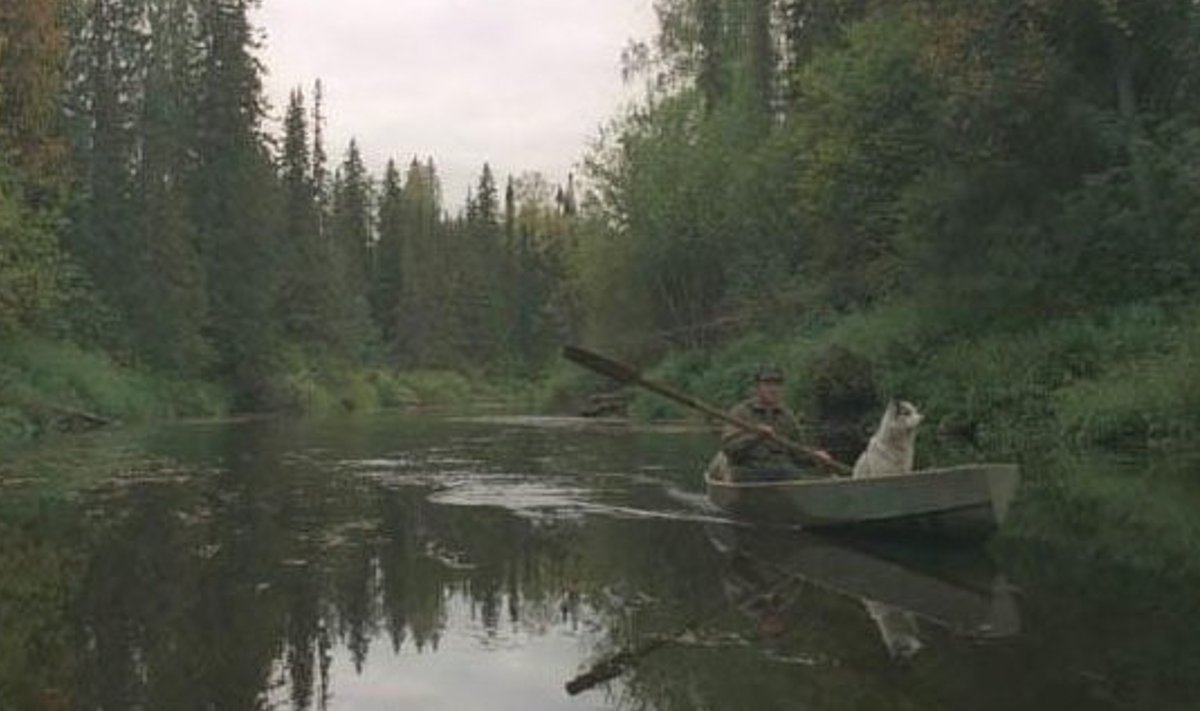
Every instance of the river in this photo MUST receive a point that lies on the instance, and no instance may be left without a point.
(431, 561)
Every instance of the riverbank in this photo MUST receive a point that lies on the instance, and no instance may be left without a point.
(1087, 390)
(1119, 379)
(48, 387)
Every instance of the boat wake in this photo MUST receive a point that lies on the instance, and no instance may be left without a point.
(456, 481)
(566, 499)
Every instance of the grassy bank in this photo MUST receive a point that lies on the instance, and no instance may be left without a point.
(1124, 378)
(47, 386)
(313, 390)
(50, 386)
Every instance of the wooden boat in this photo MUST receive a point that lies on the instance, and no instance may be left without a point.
(965, 501)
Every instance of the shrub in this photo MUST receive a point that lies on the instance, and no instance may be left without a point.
(1146, 398)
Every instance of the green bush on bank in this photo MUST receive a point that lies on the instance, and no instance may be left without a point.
(42, 380)
(564, 388)
(450, 388)
(440, 387)
(309, 387)
(43, 384)
(307, 384)
(1153, 396)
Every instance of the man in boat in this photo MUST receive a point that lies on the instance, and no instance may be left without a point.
(756, 456)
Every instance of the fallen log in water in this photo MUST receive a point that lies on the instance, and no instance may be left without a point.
(44, 409)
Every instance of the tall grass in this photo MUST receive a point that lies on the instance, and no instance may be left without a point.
(1129, 375)
(309, 387)
(40, 380)
(1152, 397)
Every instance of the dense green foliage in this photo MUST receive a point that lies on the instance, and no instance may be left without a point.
(982, 159)
(990, 206)
(47, 386)
(1118, 379)
(987, 207)
(146, 214)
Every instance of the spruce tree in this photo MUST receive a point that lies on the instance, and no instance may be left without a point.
(487, 204)
(320, 160)
(480, 276)
(168, 303)
(352, 214)
(350, 236)
(234, 202)
(422, 306)
(307, 290)
(106, 90)
(388, 264)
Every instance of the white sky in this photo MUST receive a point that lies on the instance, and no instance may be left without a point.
(521, 84)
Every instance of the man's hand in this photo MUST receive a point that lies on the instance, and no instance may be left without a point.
(824, 456)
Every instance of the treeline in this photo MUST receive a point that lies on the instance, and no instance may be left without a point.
(993, 161)
(988, 164)
(147, 211)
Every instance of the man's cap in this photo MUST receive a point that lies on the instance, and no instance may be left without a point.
(767, 373)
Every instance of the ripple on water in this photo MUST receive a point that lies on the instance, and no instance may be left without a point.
(510, 492)
(559, 498)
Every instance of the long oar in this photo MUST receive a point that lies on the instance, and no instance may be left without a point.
(624, 374)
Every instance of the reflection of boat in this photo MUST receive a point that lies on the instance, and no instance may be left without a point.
(970, 500)
(956, 589)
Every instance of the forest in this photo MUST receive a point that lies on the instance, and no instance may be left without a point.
(164, 248)
(987, 206)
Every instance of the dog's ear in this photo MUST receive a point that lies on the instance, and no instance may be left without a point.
(889, 412)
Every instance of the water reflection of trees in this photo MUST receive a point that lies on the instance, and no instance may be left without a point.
(237, 589)
(37, 582)
(231, 590)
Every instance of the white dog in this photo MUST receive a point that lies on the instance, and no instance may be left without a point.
(891, 448)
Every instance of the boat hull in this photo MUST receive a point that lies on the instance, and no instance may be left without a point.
(969, 500)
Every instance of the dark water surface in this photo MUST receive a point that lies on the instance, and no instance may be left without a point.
(433, 562)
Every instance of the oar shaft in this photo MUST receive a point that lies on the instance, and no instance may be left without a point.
(625, 374)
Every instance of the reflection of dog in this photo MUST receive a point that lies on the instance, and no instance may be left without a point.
(898, 628)
(891, 448)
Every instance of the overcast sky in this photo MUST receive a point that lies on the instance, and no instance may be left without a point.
(521, 84)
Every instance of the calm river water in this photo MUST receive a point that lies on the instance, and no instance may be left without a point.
(458, 563)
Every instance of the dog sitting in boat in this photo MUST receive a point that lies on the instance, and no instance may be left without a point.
(891, 449)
